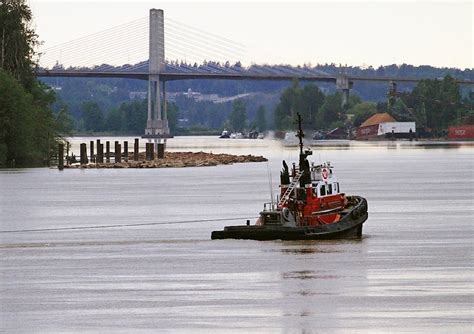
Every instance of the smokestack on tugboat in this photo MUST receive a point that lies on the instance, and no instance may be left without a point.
(311, 206)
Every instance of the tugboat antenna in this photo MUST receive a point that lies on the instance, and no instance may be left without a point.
(270, 185)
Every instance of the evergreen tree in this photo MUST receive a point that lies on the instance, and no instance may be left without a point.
(330, 112)
(436, 103)
(93, 116)
(173, 114)
(28, 127)
(238, 116)
(64, 121)
(18, 41)
(307, 101)
(362, 111)
(260, 119)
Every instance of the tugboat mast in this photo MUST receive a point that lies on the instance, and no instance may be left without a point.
(303, 163)
(300, 133)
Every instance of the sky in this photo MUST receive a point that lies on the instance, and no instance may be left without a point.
(368, 33)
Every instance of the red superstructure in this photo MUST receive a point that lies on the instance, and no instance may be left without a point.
(313, 203)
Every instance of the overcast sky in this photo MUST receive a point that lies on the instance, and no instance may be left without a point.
(352, 32)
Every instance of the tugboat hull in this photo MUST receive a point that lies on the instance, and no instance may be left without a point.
(350, 226)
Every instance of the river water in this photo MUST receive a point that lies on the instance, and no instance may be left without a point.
(411, 271)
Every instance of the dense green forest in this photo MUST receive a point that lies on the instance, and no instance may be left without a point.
(29, 130)
(432, 104)
(111, 101)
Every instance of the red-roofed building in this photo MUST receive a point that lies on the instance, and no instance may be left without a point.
(382, 125)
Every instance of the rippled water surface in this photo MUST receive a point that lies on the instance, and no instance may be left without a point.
(411, 271)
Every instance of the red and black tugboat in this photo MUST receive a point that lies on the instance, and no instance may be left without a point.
(310, 206)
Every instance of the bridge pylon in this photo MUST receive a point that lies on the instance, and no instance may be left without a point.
(343, 84)
(157, 122)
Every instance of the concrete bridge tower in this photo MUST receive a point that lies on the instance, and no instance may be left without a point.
(343, 84)
(157, 122)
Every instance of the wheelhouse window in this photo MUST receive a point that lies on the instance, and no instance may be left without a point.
(322, 190)
(329, 190)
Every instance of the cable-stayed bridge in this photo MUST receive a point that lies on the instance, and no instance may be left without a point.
(136, 50)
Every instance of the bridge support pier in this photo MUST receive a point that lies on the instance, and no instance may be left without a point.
(157, 123)
(343, 84)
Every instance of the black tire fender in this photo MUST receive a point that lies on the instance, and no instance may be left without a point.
(355, 214)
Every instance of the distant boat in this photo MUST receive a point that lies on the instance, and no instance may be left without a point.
(318, 135)
(253, 135)
(290, 138)
(225, 134)
(236, 135)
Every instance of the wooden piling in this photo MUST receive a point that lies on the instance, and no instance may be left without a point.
(125, 150)
(150, 151)
(84, 160)
(160, 151)
(61, 156)
(97, 145)
(147, 151)
(135, 149)
(107, 151)
(92, 151)
(118, 152)
(100, 153)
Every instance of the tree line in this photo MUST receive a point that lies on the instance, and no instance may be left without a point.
(432, 104)
(129, 118)
(29, 129)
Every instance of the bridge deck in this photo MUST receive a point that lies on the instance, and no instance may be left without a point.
(169, 76)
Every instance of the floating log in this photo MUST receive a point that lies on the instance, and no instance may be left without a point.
(179, 159)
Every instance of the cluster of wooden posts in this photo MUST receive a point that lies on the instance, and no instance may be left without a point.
(117, 155)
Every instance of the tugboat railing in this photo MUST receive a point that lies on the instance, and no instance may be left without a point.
(269, 206)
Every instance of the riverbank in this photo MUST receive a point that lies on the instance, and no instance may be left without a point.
(176, 160)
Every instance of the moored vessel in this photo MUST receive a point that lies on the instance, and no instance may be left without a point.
(310, 206)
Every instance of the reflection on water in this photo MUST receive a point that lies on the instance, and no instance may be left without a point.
(411, 271)
(306, 274)
(301, 250)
